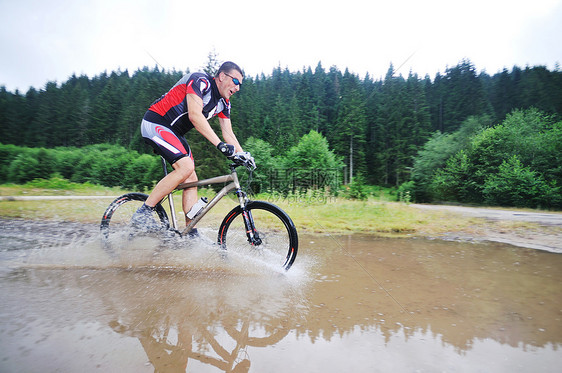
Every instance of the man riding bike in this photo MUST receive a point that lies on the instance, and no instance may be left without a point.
(190, 103)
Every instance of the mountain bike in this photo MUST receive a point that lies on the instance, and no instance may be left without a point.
(258, 228)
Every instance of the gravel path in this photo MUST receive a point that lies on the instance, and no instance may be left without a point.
(546, 236)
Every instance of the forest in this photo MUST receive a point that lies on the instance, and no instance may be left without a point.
(461, 136)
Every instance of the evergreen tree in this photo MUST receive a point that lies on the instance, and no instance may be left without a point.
(213, 63)
(45, 125)
(462, 95)
(349, 131)
(107, 112)
(11, 111)
(399, 128)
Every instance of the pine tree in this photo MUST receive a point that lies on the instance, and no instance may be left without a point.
(350, 128)
(213, 63)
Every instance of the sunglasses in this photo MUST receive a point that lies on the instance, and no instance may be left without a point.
(234, 80)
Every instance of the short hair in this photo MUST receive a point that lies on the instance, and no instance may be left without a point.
(227, 67)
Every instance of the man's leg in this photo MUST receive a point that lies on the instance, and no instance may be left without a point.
(189, 196)
(183, 170)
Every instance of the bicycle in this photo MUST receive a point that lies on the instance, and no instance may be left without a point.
(258, 227)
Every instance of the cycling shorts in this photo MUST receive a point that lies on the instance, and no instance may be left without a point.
(165, 142)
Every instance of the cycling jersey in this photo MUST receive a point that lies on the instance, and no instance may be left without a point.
(170, 110)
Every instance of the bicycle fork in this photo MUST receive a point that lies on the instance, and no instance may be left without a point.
(251, 231)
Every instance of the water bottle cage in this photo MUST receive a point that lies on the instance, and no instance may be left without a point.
(196, 209)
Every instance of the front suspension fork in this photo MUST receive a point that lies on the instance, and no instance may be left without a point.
(251, 231)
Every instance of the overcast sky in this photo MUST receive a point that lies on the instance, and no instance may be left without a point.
(49, 40)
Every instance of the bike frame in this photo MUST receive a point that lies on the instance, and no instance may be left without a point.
(233, 184)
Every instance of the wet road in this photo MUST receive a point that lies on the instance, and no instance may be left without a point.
(350, 303)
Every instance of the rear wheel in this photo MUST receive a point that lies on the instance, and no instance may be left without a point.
(262, 231)
(116, 228)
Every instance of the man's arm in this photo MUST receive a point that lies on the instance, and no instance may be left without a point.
(195, 112)
(228, 135)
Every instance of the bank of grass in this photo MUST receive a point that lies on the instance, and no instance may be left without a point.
(377, 215)
(57, 186)
(380, 218)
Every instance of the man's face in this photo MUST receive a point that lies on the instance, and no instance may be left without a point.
(226, 84)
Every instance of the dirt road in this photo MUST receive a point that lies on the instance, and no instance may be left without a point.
(544, 234)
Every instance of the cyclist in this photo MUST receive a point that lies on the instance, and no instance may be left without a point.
(189, 104)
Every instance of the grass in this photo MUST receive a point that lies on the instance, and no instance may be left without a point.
(57, 186)
(389, 219)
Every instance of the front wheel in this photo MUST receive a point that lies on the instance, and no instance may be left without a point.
(262, 230)
(116, 228)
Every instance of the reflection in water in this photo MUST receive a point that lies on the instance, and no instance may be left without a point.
(460, 291)
(349, 303)
(181, 318)
(201, 317)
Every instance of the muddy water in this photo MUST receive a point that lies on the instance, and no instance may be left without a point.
(350, 303)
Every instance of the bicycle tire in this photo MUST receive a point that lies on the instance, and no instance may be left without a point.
(115, 223)
(277, 232)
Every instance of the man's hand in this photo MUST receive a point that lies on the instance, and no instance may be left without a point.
(247, 159)
(226, 149)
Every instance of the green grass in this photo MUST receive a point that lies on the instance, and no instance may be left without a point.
(381, 218)
(57, 186)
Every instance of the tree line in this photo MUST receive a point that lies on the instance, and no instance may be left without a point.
(377, 127)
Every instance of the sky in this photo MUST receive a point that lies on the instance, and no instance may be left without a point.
(49, 40)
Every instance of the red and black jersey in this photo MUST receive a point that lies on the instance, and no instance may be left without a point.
(170, 110)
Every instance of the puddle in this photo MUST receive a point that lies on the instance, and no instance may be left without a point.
(350, 303)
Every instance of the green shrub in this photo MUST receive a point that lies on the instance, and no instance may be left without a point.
(142, 172)
(7, 154)
(406, 191)
(357, 189)
(83, 169)
(66, 161)
(109, 169)
(24, 168)
(517, 185)
(455, 182)
(54, 182)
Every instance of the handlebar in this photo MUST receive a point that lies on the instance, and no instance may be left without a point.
(243, 159)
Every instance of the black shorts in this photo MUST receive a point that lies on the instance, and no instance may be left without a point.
(165, 142)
